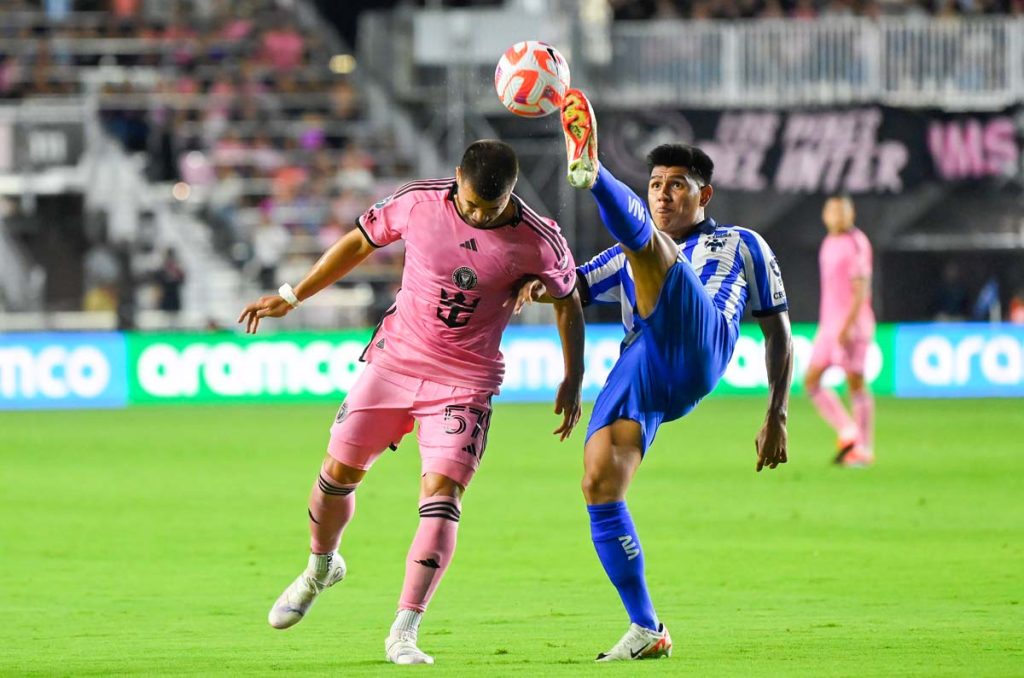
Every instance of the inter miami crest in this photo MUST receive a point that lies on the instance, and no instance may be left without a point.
(342, 413)
(464, 278)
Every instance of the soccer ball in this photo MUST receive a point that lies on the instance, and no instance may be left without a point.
(531, 79)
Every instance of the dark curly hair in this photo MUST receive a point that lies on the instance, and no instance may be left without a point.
(696, 161)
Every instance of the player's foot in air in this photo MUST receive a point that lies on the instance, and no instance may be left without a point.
(323, 571)
(640, 643)
(400, 648)
(580, 127)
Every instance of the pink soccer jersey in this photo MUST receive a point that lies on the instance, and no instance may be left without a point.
(844, 257)
(448, 317)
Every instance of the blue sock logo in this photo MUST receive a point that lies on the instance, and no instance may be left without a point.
(630, 546)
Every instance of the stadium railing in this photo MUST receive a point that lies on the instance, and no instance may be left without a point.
(964, 63)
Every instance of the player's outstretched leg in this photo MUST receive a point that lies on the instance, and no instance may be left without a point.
(331, 507)
(611, 456)
(618, 548)
(428, 559)
(622, 210)
(580, 127)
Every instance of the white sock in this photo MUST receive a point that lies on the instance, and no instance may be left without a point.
(320, 564)
(407, 620)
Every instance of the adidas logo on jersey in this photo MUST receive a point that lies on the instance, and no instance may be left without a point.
(470, 245)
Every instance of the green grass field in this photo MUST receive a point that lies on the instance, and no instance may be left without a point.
(153, 541)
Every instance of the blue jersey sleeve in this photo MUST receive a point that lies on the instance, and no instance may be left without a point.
(599, 279)
(764, 279)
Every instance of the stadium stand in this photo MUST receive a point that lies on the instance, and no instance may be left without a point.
(250, 111)
(242, 136)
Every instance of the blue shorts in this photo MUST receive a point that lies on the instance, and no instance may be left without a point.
(670, 361)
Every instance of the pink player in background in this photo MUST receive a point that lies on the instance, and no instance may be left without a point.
(846, 327)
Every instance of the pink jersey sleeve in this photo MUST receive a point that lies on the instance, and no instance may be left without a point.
(386, 221)
(557, 267)
(860, 261)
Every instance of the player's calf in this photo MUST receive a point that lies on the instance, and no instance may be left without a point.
(332, 504)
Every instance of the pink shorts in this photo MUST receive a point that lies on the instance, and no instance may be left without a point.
(382, 407)
(828, 351)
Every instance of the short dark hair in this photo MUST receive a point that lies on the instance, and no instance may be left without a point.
(491, 168)
(696, 161)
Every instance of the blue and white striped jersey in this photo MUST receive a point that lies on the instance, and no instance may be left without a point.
(734, 264)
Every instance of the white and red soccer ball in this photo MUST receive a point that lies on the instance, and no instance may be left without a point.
(531, 79)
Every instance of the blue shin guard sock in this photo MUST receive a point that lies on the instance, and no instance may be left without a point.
(622, 211)
(618, 547)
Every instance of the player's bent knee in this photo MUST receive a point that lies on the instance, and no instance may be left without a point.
(855, 382)
(602, 488)
(440, 485)
(342, 473)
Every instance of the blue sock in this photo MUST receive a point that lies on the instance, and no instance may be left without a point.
(618, 547)
(622, 211)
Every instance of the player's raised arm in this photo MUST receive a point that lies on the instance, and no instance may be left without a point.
(569, 318)
(344, 255)
(778, 357)
(597, 282)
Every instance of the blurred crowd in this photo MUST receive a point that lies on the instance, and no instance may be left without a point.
(806, 9)
(249, 111)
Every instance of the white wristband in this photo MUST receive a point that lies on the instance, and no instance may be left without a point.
(288, 294)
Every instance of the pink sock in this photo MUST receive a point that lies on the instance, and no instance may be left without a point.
(331, 506)
(431, 551)
(832, 411)
(864, 413)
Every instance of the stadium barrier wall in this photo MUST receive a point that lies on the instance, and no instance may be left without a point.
(114, 370)
(868, 149)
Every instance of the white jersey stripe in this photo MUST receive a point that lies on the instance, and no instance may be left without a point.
(734, 264)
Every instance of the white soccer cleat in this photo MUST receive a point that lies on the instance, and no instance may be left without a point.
(400, 648)
(640, 643)
(294, 603)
